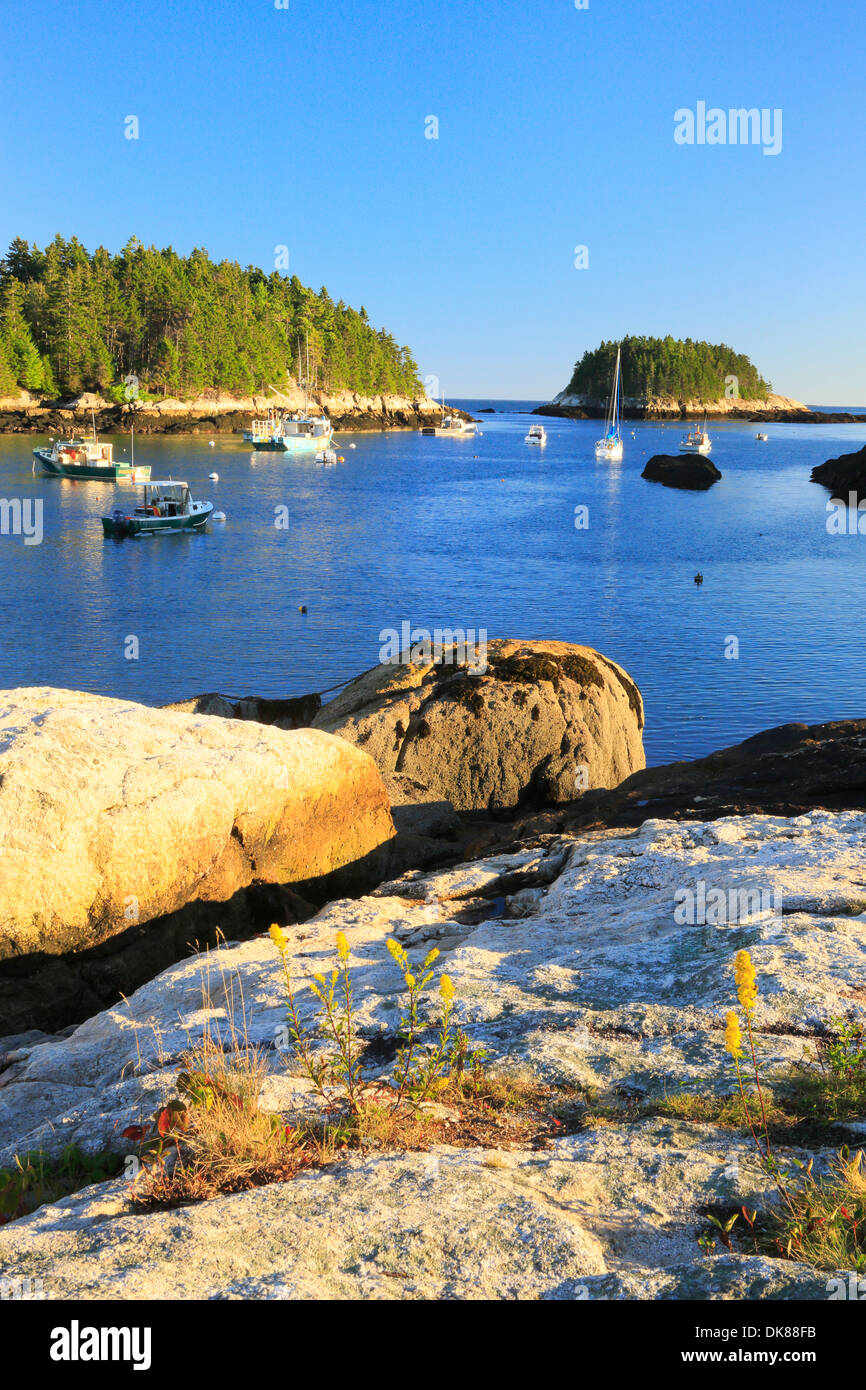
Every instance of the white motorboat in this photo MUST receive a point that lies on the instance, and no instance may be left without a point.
(537, 435)
(697, 441)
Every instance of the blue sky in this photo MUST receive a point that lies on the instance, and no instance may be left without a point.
(305, 126)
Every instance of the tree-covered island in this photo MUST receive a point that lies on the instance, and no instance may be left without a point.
(71, 321)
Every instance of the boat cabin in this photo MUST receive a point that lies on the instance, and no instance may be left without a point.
(165, 499)
(83, 451)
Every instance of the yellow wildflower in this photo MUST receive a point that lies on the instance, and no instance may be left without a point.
(342, 946)
(744, 975)
(394, 949)
(410, 980)
(733, 1036)
(279, 938)
(446, 989)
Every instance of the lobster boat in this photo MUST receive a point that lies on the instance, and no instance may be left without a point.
(88, 459)
(165, 508)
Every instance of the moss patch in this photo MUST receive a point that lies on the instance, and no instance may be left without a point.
(462, 690)
(542, 666)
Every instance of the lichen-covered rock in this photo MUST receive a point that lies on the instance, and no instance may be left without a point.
(611, 979)
(544, 723)
(600, 1215)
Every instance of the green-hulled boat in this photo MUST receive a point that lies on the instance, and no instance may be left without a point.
(166, 508)
(88, 460)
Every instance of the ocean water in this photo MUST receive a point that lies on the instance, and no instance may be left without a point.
(472, 533)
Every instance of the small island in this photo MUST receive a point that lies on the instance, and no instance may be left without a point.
(675, 379)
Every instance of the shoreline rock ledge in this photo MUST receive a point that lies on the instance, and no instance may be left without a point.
(598, 985)
(127, 827)
(843, 475)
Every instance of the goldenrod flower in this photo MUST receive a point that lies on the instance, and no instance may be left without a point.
(342, 946)
(279, 938)
(733, 1036)
(394, 949)
(446, 989)
(410, 980)
(431, 956)
(744, 975)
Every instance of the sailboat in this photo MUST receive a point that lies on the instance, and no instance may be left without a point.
(610, 446)
(697, 441)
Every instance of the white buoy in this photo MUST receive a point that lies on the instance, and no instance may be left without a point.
(211, 444)
(352, 446)
(218, 516)
(214, 477)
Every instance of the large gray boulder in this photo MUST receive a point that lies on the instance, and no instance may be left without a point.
(545, 722)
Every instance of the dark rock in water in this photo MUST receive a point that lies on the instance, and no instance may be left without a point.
(843, 475)
(487, 410)
(691, 471)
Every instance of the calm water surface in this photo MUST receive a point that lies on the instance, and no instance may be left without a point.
(457, 533)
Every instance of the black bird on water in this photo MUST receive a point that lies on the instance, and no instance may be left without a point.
(699, 578)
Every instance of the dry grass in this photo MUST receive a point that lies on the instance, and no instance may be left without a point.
(229, 1143)
(825, 1223)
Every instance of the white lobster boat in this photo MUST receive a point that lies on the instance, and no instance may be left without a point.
(299, 433)
(697, 441)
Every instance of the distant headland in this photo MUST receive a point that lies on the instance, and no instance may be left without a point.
(673, 379)
(150, 325)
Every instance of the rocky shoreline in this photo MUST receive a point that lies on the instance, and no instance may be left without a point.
(504, 818)
(775, 409)
(213, 413)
